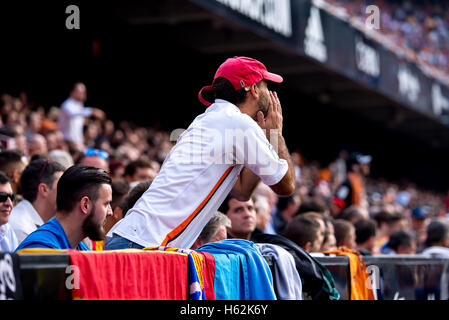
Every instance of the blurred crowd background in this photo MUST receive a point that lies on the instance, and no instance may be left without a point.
(418, 30)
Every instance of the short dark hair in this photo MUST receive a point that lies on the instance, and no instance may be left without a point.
(224, 207)
(131, 167)
(43, 169)
(4, 178)
(395, 217)
(9, 159)
(134, 195)
(79, 181)
(400, 238)
(223, 89)
(314, 205)
(437, 231)
(350, 213)
(283, 202)
(119, 191)
(302, 230)
(38, 156)
(341, 229)
(365, 229)
(388, 218)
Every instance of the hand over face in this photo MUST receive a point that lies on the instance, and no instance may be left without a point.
(273, 120)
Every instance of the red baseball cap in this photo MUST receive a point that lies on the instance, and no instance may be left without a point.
(241, 72)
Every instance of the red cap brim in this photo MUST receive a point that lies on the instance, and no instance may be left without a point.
(272, 77)
(206, 95)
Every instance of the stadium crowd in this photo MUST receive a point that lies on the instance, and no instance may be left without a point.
(418, 30)
(333, 206)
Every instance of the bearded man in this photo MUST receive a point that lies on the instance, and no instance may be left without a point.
(83, 201)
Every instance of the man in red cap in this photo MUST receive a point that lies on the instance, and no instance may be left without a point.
(225, 150)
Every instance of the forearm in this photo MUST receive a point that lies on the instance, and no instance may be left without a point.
(283, 153)
(245, 185)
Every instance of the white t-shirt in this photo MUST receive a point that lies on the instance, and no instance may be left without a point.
(436, 252)
(71, 119)
(24, 219)
(8, 240)
(197, 175)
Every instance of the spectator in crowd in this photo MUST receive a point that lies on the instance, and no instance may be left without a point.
(352, 191)
(365, 236)
(353, 214)
(62, 157)
(329, 241)
(419, 220)
(387, 224)
(12, 163)
(285, 211)
(242, 215)
(95, 158)
(437, 241)
(263, 217)
(38, 183)
(8, 240)
(305, 232)
(120, 190)
(139, 171)
(400, 242)
(72, 114)
(34, 124)
(185, 194)
(263, 190)
(134, 195)
(345, 234)
(318, 218)
(128, 202)
(37, 144)
(313, 205)
(215, 230)
(84, 196)
(340, 167)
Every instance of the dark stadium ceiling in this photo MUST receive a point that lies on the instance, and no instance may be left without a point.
(213, 35)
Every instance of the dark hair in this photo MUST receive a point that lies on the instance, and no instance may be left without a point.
(4, 178)
(119, 190)
(224, 207)
(400, 238)
(365, 229)
(131, 167)
(283, 202)
(388, 218)
(134, 195)
(437, 231)
(38, 156)
(73, 85)
(314, 205)
(9, 159)
(79, 181)
(350, 213)
(223, 89)
(395, 217)
(327, 220)
(302, 230)
(36, 172)
(341, 229)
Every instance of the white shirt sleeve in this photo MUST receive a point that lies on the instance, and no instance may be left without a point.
(254, 151)
(74, 109)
